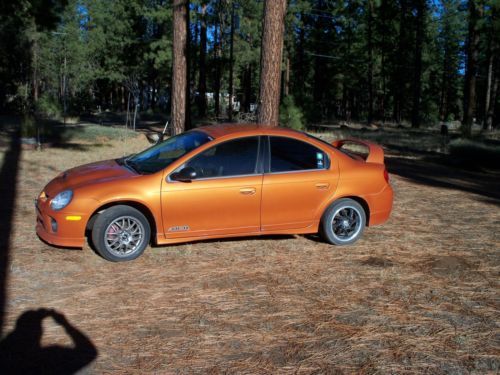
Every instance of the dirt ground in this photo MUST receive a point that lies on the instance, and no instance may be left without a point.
(419, 294)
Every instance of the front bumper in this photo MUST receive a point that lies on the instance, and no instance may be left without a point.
(68, 233)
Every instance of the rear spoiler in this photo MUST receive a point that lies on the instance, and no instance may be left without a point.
(375, 152)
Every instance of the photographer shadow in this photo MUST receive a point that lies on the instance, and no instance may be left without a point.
(21, 351)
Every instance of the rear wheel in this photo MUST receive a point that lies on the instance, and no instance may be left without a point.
(121, 233)
(343, 222)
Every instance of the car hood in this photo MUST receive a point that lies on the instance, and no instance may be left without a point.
(94, 173)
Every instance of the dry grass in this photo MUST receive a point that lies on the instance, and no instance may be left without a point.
(417, 295)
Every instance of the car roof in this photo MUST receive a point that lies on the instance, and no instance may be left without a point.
(220, 130)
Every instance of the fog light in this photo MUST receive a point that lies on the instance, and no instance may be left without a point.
(53, 224)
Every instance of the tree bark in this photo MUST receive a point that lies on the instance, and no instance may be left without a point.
(494, 67)
(475, 12)
(493, 97)
(400, 70)
(179, 65)
(487, 97)
(272, 49)
(217, 52)
(286, 89)
(35, 67)
(187, 123)
(231, 67)
(247, 88)
(370, 61)
(300, 70)
(443, 102)
(417, 79)
(202, 80)
(321, 81)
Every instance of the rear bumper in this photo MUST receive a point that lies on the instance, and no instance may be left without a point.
(68, 234)
(381, 206)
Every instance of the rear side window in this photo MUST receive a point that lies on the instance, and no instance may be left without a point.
(289, 154)
(232, 158)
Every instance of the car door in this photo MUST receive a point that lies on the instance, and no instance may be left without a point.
(224, 198)
(297, 181)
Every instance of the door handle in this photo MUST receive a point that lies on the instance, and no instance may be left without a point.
(248, 191)
(322, 185)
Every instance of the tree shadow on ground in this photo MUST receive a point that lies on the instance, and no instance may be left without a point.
(432, 173)
(8, 183)
(21, 351)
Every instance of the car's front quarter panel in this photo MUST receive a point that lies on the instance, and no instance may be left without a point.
(87, 200)
(143, 190)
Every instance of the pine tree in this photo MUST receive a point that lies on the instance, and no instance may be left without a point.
(272, 47)
(179, 66)
(475, 13)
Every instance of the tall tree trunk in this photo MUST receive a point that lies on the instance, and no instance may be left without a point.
(35, 66)
(383, 73)
(194, 52)
(443, 102)
(247, 88)
(122, 92)
(217, 48)
(320, 77)
(370, 61)
(187, 124)
(401, 65)
(286, 85)
(346, 85)
(179, 65)
(475, 12)
(272, 49)
(301, 65)
(417, 78)
(231, 67)
(153, 94)
(487, 96)
(493, 97)
(202, 79)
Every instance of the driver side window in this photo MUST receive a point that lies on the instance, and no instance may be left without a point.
(232, 158)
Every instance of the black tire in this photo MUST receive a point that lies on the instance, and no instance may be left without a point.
(121, 233)
(343, 222)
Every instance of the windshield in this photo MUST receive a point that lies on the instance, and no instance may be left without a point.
(163, 154)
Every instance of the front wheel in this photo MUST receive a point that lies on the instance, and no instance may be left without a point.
(121, 233)
(343, 222)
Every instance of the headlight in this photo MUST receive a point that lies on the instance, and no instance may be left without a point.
(61, 200)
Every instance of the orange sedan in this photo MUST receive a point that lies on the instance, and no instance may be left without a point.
(217, 181)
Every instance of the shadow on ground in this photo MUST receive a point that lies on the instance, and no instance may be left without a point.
(8, 183)
(21, 351)
(433, 174)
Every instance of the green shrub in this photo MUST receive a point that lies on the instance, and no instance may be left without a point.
(475, 154)
(28, 127)
(49, 107)
(291, 116)
(21, 102)
(430, 114)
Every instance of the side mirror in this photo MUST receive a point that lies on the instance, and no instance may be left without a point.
(186, 174)
(159, 136)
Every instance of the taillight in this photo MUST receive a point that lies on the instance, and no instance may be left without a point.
(386, 175)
